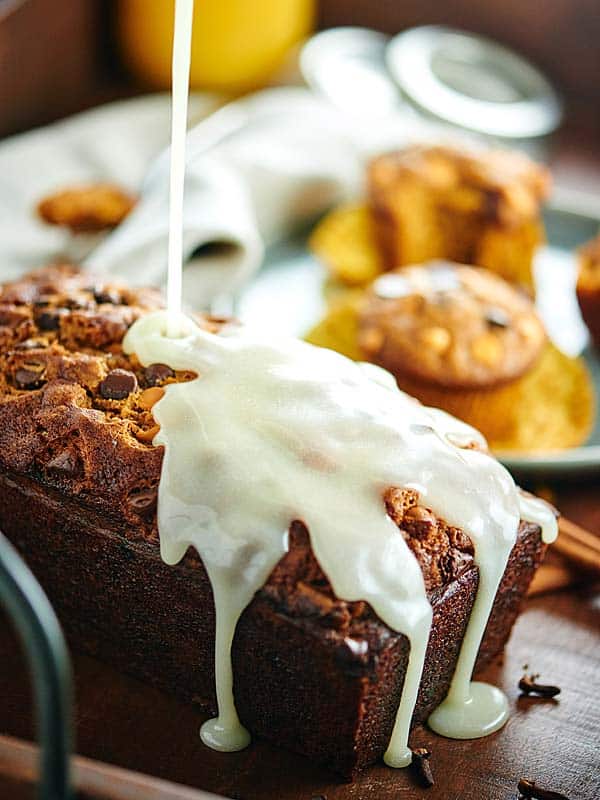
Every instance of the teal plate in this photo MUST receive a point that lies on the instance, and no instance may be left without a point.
(286, 297)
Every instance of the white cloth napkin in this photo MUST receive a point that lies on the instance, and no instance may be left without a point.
(255, 169)
(115, 142)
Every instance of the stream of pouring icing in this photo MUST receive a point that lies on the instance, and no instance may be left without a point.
(182, 47)
(276, 430)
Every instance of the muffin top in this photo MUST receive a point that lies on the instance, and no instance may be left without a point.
(450, 325)
(503, 185)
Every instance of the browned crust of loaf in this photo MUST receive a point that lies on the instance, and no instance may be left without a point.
(329, 676)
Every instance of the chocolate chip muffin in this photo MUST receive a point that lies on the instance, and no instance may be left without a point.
(588, 287)
(462, 339)
(450, 325)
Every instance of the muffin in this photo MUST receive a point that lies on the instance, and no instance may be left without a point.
(86, 214)
(588, 287)
(90, 208)
(472, 206)
(462, 339)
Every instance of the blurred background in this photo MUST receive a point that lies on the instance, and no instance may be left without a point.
(53, 52)
(60, 56)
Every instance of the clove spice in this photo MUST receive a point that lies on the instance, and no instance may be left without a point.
(529, 790)
(422, 767)
(528, 685)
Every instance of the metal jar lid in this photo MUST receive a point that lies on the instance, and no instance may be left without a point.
(473, 82)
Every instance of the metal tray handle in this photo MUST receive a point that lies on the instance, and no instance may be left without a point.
(50, 666)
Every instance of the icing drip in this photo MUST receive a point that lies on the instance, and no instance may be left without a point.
(277, 430)
(473, 709)
(532, 509)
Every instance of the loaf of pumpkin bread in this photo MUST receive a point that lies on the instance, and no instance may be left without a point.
(78, 486)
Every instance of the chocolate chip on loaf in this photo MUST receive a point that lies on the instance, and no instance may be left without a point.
(118, 384)
(49, 320)
(30, 376)
(143, 501)
(157, 373)
(107, 296)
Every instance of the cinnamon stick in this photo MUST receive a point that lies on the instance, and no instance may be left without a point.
(578, 546)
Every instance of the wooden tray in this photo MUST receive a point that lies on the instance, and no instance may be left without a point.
(554, 742)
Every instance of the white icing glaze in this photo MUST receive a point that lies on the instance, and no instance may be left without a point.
(277, 430)
(273, 432)
(534, 510)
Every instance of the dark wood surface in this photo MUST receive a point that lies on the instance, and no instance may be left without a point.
(124, 722)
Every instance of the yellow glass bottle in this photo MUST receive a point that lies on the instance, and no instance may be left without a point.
(236, 46)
